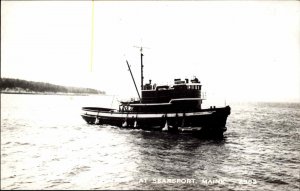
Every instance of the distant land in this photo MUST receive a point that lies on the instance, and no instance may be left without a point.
(17, 86)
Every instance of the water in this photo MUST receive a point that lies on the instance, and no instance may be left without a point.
(46, 145)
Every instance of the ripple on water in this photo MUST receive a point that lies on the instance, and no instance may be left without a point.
(261, 144)
(77, 170)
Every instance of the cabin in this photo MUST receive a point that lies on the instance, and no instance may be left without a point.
(164, 94)
(183, 95)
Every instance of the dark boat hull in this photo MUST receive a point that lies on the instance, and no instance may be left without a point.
(208, 122)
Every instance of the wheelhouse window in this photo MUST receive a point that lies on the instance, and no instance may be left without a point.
(193, 87)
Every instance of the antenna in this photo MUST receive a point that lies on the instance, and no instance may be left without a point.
(141, 48)
(142, 66)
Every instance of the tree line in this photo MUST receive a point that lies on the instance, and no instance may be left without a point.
(9, 84)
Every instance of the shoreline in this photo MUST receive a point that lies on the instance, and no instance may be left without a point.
(49, 93)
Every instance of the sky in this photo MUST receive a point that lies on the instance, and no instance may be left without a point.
(242, 51)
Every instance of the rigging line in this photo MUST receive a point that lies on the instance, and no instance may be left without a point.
(92, 38)
(134, 82)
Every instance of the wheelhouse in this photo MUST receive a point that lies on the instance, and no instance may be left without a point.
(163, 94)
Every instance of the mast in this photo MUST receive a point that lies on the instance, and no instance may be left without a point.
(142, 66)
(134, 81)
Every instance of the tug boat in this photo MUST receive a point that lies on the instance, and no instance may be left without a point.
(173, 108)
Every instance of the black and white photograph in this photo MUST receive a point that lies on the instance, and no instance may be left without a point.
(150, 95)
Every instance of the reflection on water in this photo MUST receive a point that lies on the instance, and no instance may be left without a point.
(46, 145)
